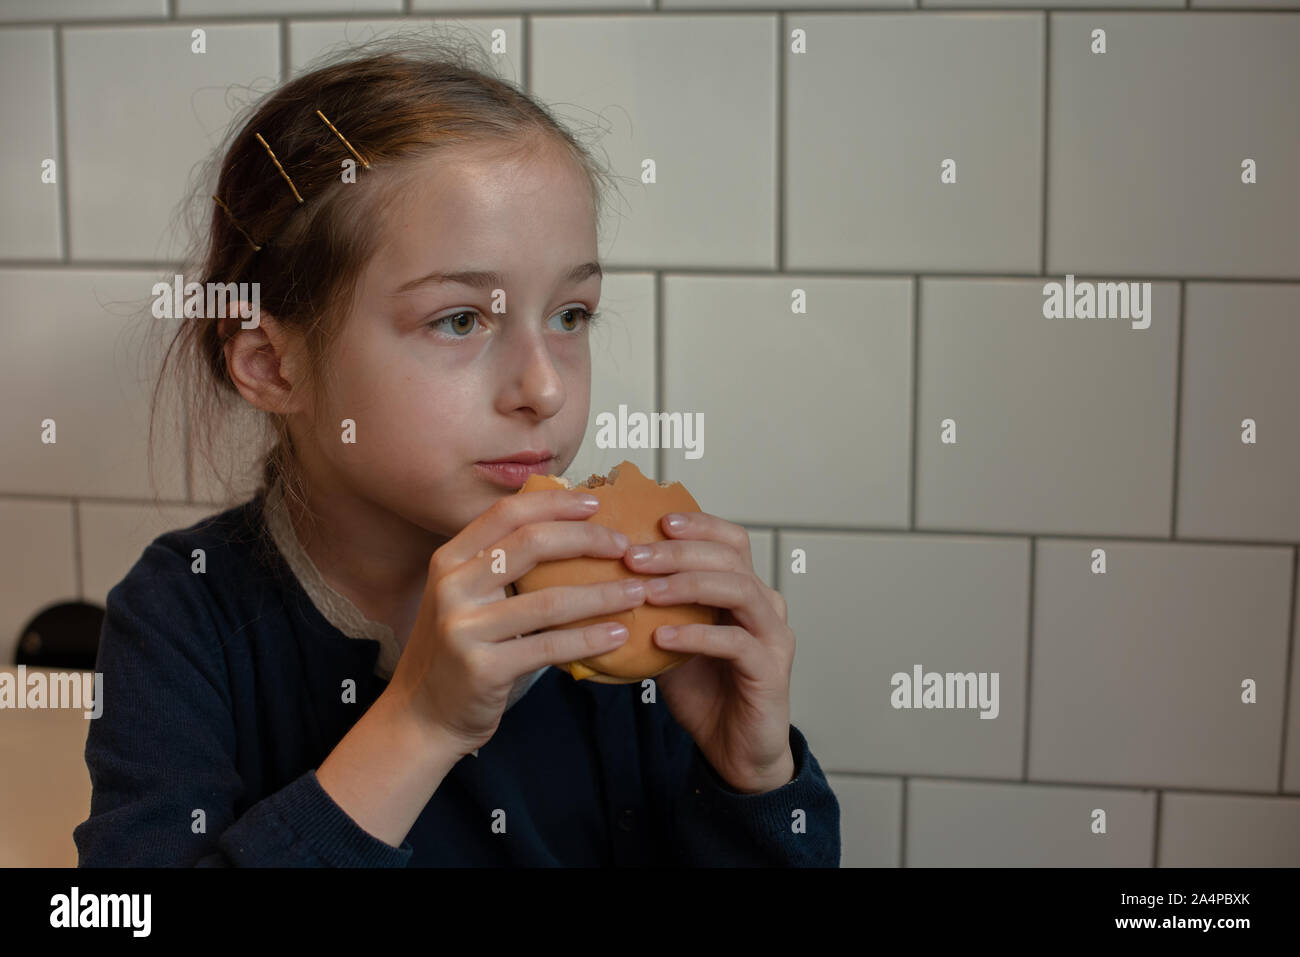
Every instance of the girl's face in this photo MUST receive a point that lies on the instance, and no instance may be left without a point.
(468, 339)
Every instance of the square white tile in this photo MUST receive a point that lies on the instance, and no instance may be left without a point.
(1137, 673)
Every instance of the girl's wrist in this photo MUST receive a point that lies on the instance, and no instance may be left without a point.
(416, 734)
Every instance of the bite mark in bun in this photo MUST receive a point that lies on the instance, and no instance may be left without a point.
(632, 504)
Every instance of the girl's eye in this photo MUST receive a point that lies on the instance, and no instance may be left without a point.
(455, 325)
(457, 322)
(588, 317)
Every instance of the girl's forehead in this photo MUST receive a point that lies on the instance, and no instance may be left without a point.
(463, 217)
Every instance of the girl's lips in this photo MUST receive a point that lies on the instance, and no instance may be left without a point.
(513, 474)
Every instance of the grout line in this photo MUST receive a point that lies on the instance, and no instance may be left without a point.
(782, 33)
(913, 438)
(507, 9)
(1042, 159)
(1155, 830)
(1178, 403)
(776, 563)
(1286, 673)
(526, 53)
(659, 366)
(61, 149)
(76, 549)
(902, 827)
(1029, 657)
(865, 530)
(737, 272)
(911, 776)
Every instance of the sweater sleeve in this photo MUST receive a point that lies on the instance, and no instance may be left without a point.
(795, 825)
(161, 756)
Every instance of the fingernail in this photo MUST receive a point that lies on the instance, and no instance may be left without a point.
(620, 540)
(667, 633)
(617, 633)
(657, 586)
(676, 522)
(634, 588)
(638, 552)
(588, 501)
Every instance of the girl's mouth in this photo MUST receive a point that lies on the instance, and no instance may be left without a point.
(513, 474)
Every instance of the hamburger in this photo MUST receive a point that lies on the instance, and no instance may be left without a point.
(632, 504)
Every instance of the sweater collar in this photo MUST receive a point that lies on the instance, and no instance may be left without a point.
(336, 608)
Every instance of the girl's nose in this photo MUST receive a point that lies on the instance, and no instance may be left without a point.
(535, 382)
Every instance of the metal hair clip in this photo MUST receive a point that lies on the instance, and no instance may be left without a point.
(359, 157)
(274, 159)
(234, 222)
(280, 168)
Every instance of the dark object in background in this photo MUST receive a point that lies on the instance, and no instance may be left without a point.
(65, 635)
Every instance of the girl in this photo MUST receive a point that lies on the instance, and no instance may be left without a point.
(331, 673)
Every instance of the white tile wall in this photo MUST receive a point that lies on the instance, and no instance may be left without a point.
(198, 8)
(1219, 830)
(133, 143)
(805, 414)
(1060, 425)
(872, 606)
(871, 811)
(55, 10)
(816, 171)
(875, 108)
(1137, 673)
(697, 95)
(1146, 142)
(1291, 760)
(29, 152)
(311, 38)
(1240, 344)
(80, 349)
(972, 824)
(38, 564)
(113, 535)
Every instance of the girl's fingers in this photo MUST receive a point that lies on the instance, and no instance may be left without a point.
(664, 558)
(702, 525)
(741, 594)
(505, 516)
(480, 578)
(530, 652)
(716, 641)
(500, 621)
(680, 556)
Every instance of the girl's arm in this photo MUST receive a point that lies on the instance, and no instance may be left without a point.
(161, 756)
(711, 825)
(386, 768)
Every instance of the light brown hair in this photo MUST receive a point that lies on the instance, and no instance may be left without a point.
(395, 99)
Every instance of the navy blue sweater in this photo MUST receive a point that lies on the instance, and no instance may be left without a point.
(223, 694)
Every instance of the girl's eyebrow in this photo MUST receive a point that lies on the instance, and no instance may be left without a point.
(489, 279)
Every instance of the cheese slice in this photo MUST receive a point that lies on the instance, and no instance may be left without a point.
(580, 671)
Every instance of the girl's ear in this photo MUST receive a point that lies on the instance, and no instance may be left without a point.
(266, 365)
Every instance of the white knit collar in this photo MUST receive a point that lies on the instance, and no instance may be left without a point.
(337, 608)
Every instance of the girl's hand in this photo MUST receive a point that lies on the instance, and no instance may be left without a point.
(733, 698)
(472, 639)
